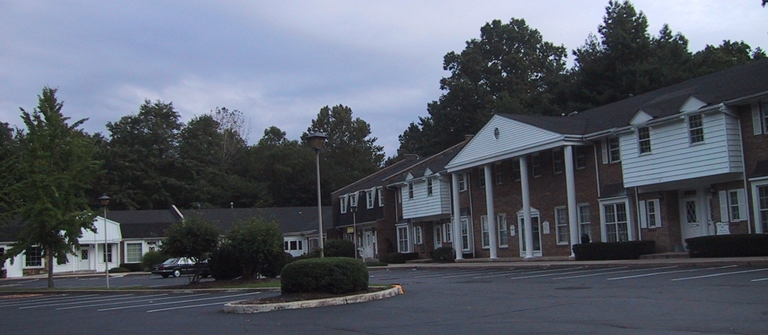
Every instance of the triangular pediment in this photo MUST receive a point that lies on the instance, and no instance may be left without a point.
(409, 176)
(428, 172)
(692, 104)
(640, 118)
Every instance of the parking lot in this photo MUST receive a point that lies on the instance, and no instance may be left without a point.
(660, 299)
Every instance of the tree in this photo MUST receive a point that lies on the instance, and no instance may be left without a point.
(56, 167)
(193, 238)
(510, 69)
(726, 55)
(9, 148)
(350, 152)
(255, 241)
(142, 158)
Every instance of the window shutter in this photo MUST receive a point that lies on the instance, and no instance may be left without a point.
(643, 214)
(757, 124)
(724, 217)
(604, 145)
(742, 196)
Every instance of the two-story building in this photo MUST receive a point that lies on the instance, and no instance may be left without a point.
(682, 161)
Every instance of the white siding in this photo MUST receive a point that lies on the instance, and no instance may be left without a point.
(673, 158)
(422, 205)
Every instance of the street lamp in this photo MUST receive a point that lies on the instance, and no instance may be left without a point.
(316, 141)
(104, 199)
(353, 209)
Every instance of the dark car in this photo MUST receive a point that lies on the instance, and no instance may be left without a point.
(181, 265)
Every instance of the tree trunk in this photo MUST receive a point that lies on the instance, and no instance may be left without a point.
(49, 265)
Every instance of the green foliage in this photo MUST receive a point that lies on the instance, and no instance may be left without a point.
(119, 270)
(275, 264)
(225, 262)
(339, 248)
(54, 167)
(329, 275)
(736, 245)
(613, 250)
(152, 258)
(399, 258)
(193, 238)
(132, 267)
(255, 241)
(443, 254)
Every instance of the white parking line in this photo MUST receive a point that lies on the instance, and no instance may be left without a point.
(567, 271)
(759, 279)
(482, 273)
(612, 273)
(720, 274)
(668, 272)
(37, 300)
(187, 306)
(80, 301)
(118, 302)
(175, 302)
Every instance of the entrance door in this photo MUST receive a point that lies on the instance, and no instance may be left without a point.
(369, 244)
(536, 234)
(693, 214)
(85, 258)
(438, 234)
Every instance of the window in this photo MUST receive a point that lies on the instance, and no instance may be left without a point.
(353, 200)
(762, 208)
(465, 246)
(438, 235)
(644, 140)
(516, 169)
(498, 174)
(696, 128)
(535, 165)
(557, 161)
(410, 190)
(447, 231)
(501, 223)
(733, 205)
(615, 221)
(764, 108)
(369, 199)
(133, 253)
(379, 195)
(418, 237)
(343, 203)
(649, 214)
(481, 177)
(486, 240)
(561, 224)
(107, 256)
(585, 223)
(403, 245)
(462, 182)
(611, 150)
(581, 158)
(33, 257)
(429, 186)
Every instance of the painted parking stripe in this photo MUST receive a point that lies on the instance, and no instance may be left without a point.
(554, 274)
(32, 301)
(720, 274)
(595, 272)
(482, 273)
(670, 272)
(527, 272)
(80, 301)
(174, 302)
(148, 298)
(616, 272)
(187, 306)
(759, 279)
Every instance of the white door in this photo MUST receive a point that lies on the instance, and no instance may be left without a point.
(693, 214)
(85, 258)
(438, 235)
(369, 244)
(536, 226)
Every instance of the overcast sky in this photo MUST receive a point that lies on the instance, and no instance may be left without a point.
(279, 62)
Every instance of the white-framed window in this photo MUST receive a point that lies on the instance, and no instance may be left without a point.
(418, 236)
(561, 224)
(481, 175)
(585, 221)
(430, 189)
(733, 205)
(615, 221)
(760, 118)
(696, 128)
(650, 213)
(403, 242)
(557, 161)
(369, 199)
(503, 236)
(486, 232)
(343, 204)
(106, 255)
(33, 257)
(581, 157)
(761, 207)
(447, 232)
(462, 182)
(410, 190)
(465, 238)
(133, 252)
(535, 165)
(644, 140)
(498, 172)
(611, 150)
(516, 169)
(438, 232)
(353, 200)
(380, 196)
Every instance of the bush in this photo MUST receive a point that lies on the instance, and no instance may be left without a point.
(399, 258)
(339, 248)
(224, 263)
(613, 250)
(275, 264)
(133, 267)
(152, 258)
(326, 275)
(118, 270)
(254, 241)
(443, 254)
(738, 245)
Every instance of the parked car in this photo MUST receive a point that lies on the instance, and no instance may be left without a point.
(181, 265)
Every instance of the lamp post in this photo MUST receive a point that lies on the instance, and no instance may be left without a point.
(353, 209)
(104, 199)
(316, 141)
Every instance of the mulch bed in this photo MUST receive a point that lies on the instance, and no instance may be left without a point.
(289, 297)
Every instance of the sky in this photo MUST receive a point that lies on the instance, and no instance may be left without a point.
(280, 62)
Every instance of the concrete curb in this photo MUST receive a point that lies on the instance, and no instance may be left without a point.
(240, 308)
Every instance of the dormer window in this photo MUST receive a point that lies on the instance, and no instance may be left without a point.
(353, 199)
(644, 140)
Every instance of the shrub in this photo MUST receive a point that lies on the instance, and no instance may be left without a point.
(327, 275)
(118, 270)
(275, 264)
(339, 248)
(613, 250)
(399, 258)
(133, 267)
(738, 245)
(152, 258)
(443, 254)
(255, 240)
(224, 263)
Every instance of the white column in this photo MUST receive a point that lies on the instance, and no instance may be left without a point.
(489, 209)
(570, 190)
(456, 231)
(526, 207)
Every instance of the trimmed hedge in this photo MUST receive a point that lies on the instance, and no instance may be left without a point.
(443, 254)
(339, 248)
(327, 275)
(133, 267)
(398, 258)
(613, 250)
(275, 264)
(737, 245)
(224, 263)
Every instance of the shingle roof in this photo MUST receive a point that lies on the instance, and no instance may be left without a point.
(377, 178)
(435, 163)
